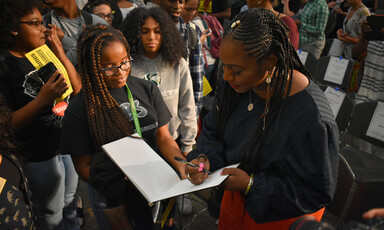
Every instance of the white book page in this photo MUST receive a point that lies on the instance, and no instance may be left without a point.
(376, 127)
(143, 166)
(336, 70)
(151, 175)
(336, 48)
(180, 188)
(302, 55)
(335, 99)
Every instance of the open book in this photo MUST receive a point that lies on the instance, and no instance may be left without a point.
(151, 175)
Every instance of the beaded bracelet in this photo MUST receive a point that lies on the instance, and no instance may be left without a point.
(249, 185)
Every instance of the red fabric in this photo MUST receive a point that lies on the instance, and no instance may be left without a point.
(232, 216)
(293, 31)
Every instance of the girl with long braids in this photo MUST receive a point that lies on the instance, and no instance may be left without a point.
(104, 111)
(276, 122)
(157, 50)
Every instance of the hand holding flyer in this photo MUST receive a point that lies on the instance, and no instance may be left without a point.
(41, 56)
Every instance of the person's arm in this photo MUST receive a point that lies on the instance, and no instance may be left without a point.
(306, 182)
(321, 21)
(58, 50)
(82, 165)
(186, 110)
(210, 142)
(375, 212)
(361, 46)
(286, 10)
(196, 67)
(169, 149)
(49, 91)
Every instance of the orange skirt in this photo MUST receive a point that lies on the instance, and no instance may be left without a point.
(232, 216)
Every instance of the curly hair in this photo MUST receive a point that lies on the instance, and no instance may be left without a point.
(11, 12)
(172, 47)
(107, 121)
(261, 34)
(7, 141)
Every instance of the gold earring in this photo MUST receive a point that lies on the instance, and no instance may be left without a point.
(259, 2)
(15, 33)
(268, 80)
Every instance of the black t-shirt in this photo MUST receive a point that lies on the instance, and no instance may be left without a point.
(151, 110)
(220, 5)
(294, 6)
(39, 140)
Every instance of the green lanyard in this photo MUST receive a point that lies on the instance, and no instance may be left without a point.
(133, 109)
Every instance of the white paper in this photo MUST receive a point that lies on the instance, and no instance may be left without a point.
(336, 70)
(151, 175)
(303, 56)
(376, 127)
(336, 48)
(335, 99)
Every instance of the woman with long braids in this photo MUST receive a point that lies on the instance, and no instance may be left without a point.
(276, 122)
(104, 111)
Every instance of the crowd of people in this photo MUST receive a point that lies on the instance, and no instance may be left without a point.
(146, 68)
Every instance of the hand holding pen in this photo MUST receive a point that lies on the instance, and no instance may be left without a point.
(198, 170)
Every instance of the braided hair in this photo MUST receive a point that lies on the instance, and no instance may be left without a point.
(261, 34)
(107, 121)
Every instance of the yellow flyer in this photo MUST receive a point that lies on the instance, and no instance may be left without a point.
(41, 56)
(206, 87)
(205, 6)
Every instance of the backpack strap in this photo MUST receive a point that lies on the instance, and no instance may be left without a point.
(206, 27)
(87, 17)
(192, 39)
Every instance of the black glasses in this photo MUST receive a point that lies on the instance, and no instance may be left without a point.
(36, 24)
(110, 71)
(105, 16)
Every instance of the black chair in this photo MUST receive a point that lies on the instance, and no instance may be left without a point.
(321, 68)
(309, 62)
(360, 185)
(344, 114)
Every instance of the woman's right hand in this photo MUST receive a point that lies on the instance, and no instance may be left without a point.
(53, 88)
(205, 34)
(340, 34)
(196, 175)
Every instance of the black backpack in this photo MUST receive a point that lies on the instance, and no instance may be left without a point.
(192, 39)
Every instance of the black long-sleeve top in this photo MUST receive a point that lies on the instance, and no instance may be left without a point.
(298, 168)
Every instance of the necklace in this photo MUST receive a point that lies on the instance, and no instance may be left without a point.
(250, 105)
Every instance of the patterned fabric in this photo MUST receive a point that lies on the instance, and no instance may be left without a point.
(15, 202)
(372, 84)
(314, 18)
(352, 27)
(196, 65)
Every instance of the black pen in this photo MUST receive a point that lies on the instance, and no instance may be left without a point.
(190, 164)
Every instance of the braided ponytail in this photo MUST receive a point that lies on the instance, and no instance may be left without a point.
(107, 121)
(262, 34)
